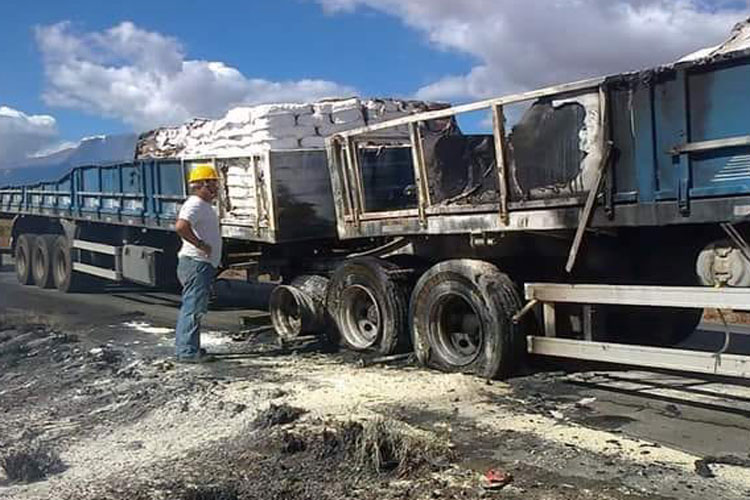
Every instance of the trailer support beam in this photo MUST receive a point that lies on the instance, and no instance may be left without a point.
(729, 365)
(641, 295)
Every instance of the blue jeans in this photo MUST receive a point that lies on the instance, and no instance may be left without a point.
(196, 278)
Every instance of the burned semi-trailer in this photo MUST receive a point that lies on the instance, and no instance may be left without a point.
(619, 204)
(596, 221)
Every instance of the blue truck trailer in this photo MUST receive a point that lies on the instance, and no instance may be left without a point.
(597, 226)
(116, 222)
(619, 205)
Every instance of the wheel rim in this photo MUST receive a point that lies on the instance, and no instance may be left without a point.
(286, 312)
(61, 266)
(362, 318)
(456, 331)
(22, 262)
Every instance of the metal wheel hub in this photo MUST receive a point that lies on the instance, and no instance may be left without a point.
(456, 331)
(289, 313)
(22, 262)
(362, 319)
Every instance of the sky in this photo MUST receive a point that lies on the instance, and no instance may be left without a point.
(85, 67)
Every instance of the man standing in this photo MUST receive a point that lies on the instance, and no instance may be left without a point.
(198, 227)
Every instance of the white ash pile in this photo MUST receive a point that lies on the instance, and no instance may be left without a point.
(250, 129)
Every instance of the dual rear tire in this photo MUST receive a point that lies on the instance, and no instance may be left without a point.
(367, 301)
(459, 316)
(22, 256)
(461, 319)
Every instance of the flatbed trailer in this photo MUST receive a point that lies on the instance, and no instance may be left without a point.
(116, 222)
(637, 180)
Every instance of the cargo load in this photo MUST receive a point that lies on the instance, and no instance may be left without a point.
(275, 182)
(283, 126)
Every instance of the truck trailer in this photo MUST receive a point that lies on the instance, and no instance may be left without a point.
(598, 225)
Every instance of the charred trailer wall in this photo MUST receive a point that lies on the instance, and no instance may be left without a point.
(551, 152)
(302, 195)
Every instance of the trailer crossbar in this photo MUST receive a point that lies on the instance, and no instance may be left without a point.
(728, 365)
(637, 295)
(715, 363)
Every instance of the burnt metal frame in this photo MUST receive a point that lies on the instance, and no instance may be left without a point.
(345, 169)
(595, 186)
(353, 221)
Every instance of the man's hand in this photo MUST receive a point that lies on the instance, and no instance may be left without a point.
(185, 231)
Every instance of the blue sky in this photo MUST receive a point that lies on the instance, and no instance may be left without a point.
(80, 68)
(277, 40)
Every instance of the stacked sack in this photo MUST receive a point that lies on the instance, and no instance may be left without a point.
(252, 129)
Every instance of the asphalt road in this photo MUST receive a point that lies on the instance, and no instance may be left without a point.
(110, 303)
(698, 414)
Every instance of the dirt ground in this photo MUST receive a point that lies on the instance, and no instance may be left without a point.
(105, 414)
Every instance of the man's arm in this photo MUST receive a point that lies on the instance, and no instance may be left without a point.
(185, 231)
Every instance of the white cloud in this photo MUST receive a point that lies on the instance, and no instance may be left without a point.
(144, 79)
(22, 135)
(521, 44)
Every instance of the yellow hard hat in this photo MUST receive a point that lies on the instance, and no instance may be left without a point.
(203, 172)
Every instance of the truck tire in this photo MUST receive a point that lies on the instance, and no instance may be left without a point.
(41, 260)
(461, 319)
(22, 257)
(300, 307)
(367, 301)
(66, 279)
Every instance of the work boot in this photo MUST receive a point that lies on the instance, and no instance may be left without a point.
(201, 357)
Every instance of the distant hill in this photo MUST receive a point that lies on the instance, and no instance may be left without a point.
(90, 151)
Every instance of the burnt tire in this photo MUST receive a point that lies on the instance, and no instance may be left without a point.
(367, 301)
(300, 307)
(461, 319)
(22, 256)
(41, 260)
(65, 278)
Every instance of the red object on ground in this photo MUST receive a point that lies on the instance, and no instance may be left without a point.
(497, 479)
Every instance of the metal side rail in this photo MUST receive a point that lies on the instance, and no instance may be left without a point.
(715, 363)
(114, 274)
(136, 263)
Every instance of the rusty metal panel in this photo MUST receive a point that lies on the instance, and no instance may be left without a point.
(546, 154)
(5, 229)
(302, 195)
(387, 178)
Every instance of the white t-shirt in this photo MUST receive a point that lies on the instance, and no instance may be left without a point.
(204, 220)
